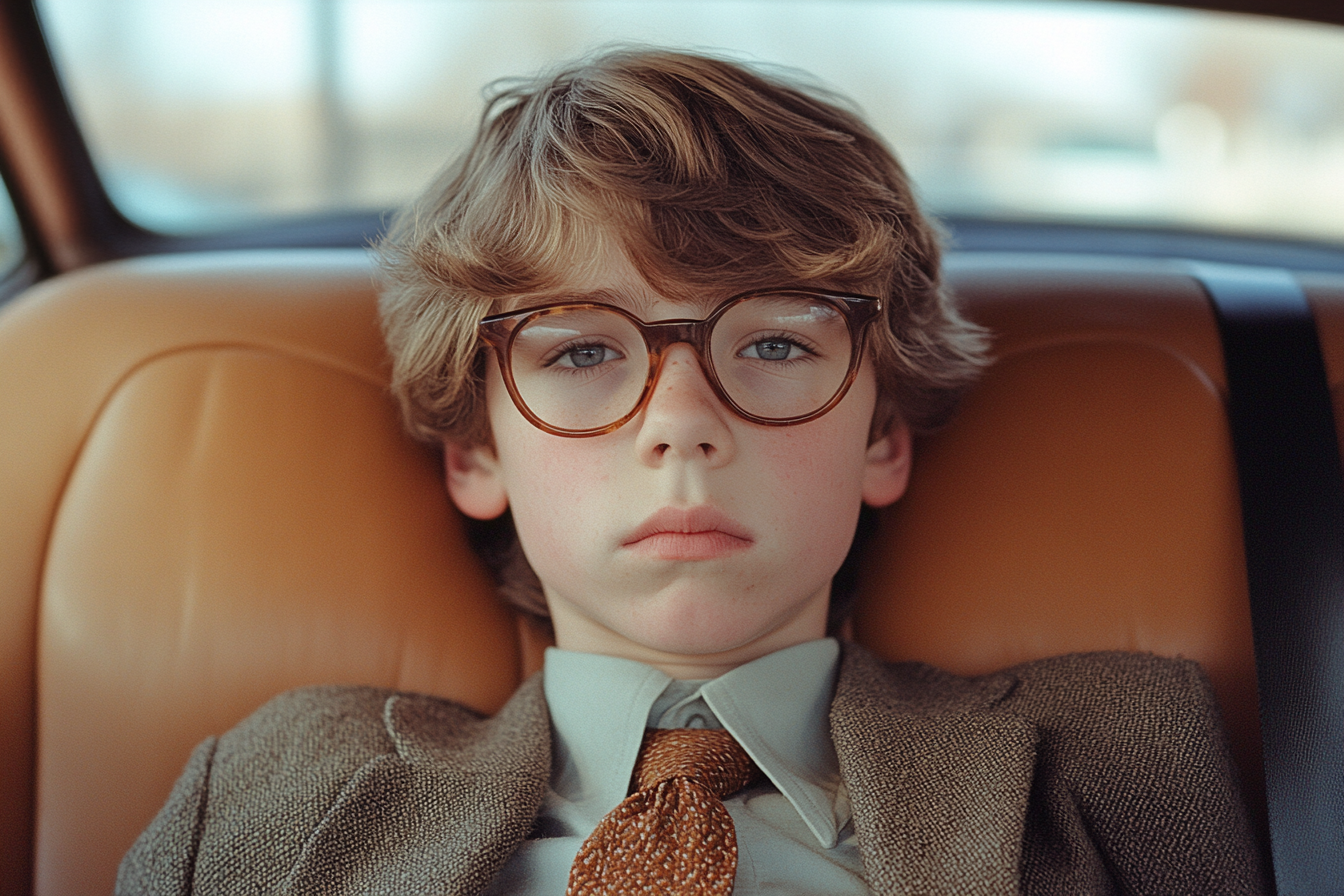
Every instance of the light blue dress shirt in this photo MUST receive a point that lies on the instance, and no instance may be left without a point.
(794, 832)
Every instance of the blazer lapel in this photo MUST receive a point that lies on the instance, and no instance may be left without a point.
(444, 812)
(939, 783)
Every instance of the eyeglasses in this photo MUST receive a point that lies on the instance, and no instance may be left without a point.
(777, 357)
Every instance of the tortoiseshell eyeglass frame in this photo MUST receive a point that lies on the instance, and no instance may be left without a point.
(500, 330)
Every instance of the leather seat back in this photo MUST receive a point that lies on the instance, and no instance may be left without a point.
(208, 500)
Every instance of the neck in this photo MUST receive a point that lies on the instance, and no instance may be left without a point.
(578, 632)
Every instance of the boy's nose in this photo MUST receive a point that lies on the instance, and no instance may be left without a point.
(683, 416)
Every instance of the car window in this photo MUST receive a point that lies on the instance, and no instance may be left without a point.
(202, 114)
(12, 245)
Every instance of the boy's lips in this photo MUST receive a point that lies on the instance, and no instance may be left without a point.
(696, 533)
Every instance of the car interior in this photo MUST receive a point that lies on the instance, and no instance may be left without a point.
(208, 497)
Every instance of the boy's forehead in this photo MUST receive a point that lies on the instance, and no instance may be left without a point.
(606, 274)
(597, 267)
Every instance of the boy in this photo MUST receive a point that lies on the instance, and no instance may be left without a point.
(681, 321)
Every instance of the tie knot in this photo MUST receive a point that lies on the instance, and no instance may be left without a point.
(705, 755)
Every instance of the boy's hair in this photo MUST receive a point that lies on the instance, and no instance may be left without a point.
(706, 174)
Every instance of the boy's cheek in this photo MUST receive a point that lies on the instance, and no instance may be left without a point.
(556, 495)
(551, 470)
(814, 480)
(825, 458)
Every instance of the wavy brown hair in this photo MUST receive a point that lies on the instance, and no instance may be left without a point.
(706, 173)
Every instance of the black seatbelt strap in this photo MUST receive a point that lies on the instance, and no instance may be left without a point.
(1292, 506)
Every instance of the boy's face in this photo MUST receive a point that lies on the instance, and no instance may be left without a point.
(689, 539)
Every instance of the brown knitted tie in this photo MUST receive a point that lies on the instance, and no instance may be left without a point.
(673, 834)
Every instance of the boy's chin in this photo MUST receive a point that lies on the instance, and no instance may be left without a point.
(718, 640)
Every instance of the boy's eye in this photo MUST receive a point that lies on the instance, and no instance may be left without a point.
(773, 349)
(586, 357)
(582, 356)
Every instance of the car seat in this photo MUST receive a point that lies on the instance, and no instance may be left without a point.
(207, 499)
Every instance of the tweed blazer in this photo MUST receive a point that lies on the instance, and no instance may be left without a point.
(1091, 773)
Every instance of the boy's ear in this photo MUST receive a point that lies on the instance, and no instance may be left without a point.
(474, 481)
(887, 467)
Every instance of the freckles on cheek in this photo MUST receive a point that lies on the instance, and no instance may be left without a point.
(820, 478)
(810, 460)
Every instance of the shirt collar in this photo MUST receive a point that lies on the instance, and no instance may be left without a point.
(777, 707)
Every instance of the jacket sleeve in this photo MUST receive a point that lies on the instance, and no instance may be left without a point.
(1137, 763)
(162, 860)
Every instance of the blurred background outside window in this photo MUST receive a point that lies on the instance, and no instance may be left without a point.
(204, 114)
(11, 235)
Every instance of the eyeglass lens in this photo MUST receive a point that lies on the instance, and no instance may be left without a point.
(776, 357)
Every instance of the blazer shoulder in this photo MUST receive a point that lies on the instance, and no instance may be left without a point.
(241, 809)
(1064, 687)
(1118, 739)
(277, 775)
(1128, 737)
(911, 688)
(302, 724)
(338, 727)
(1111, 685)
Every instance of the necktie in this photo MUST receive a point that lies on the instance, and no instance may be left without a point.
(673, 834)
